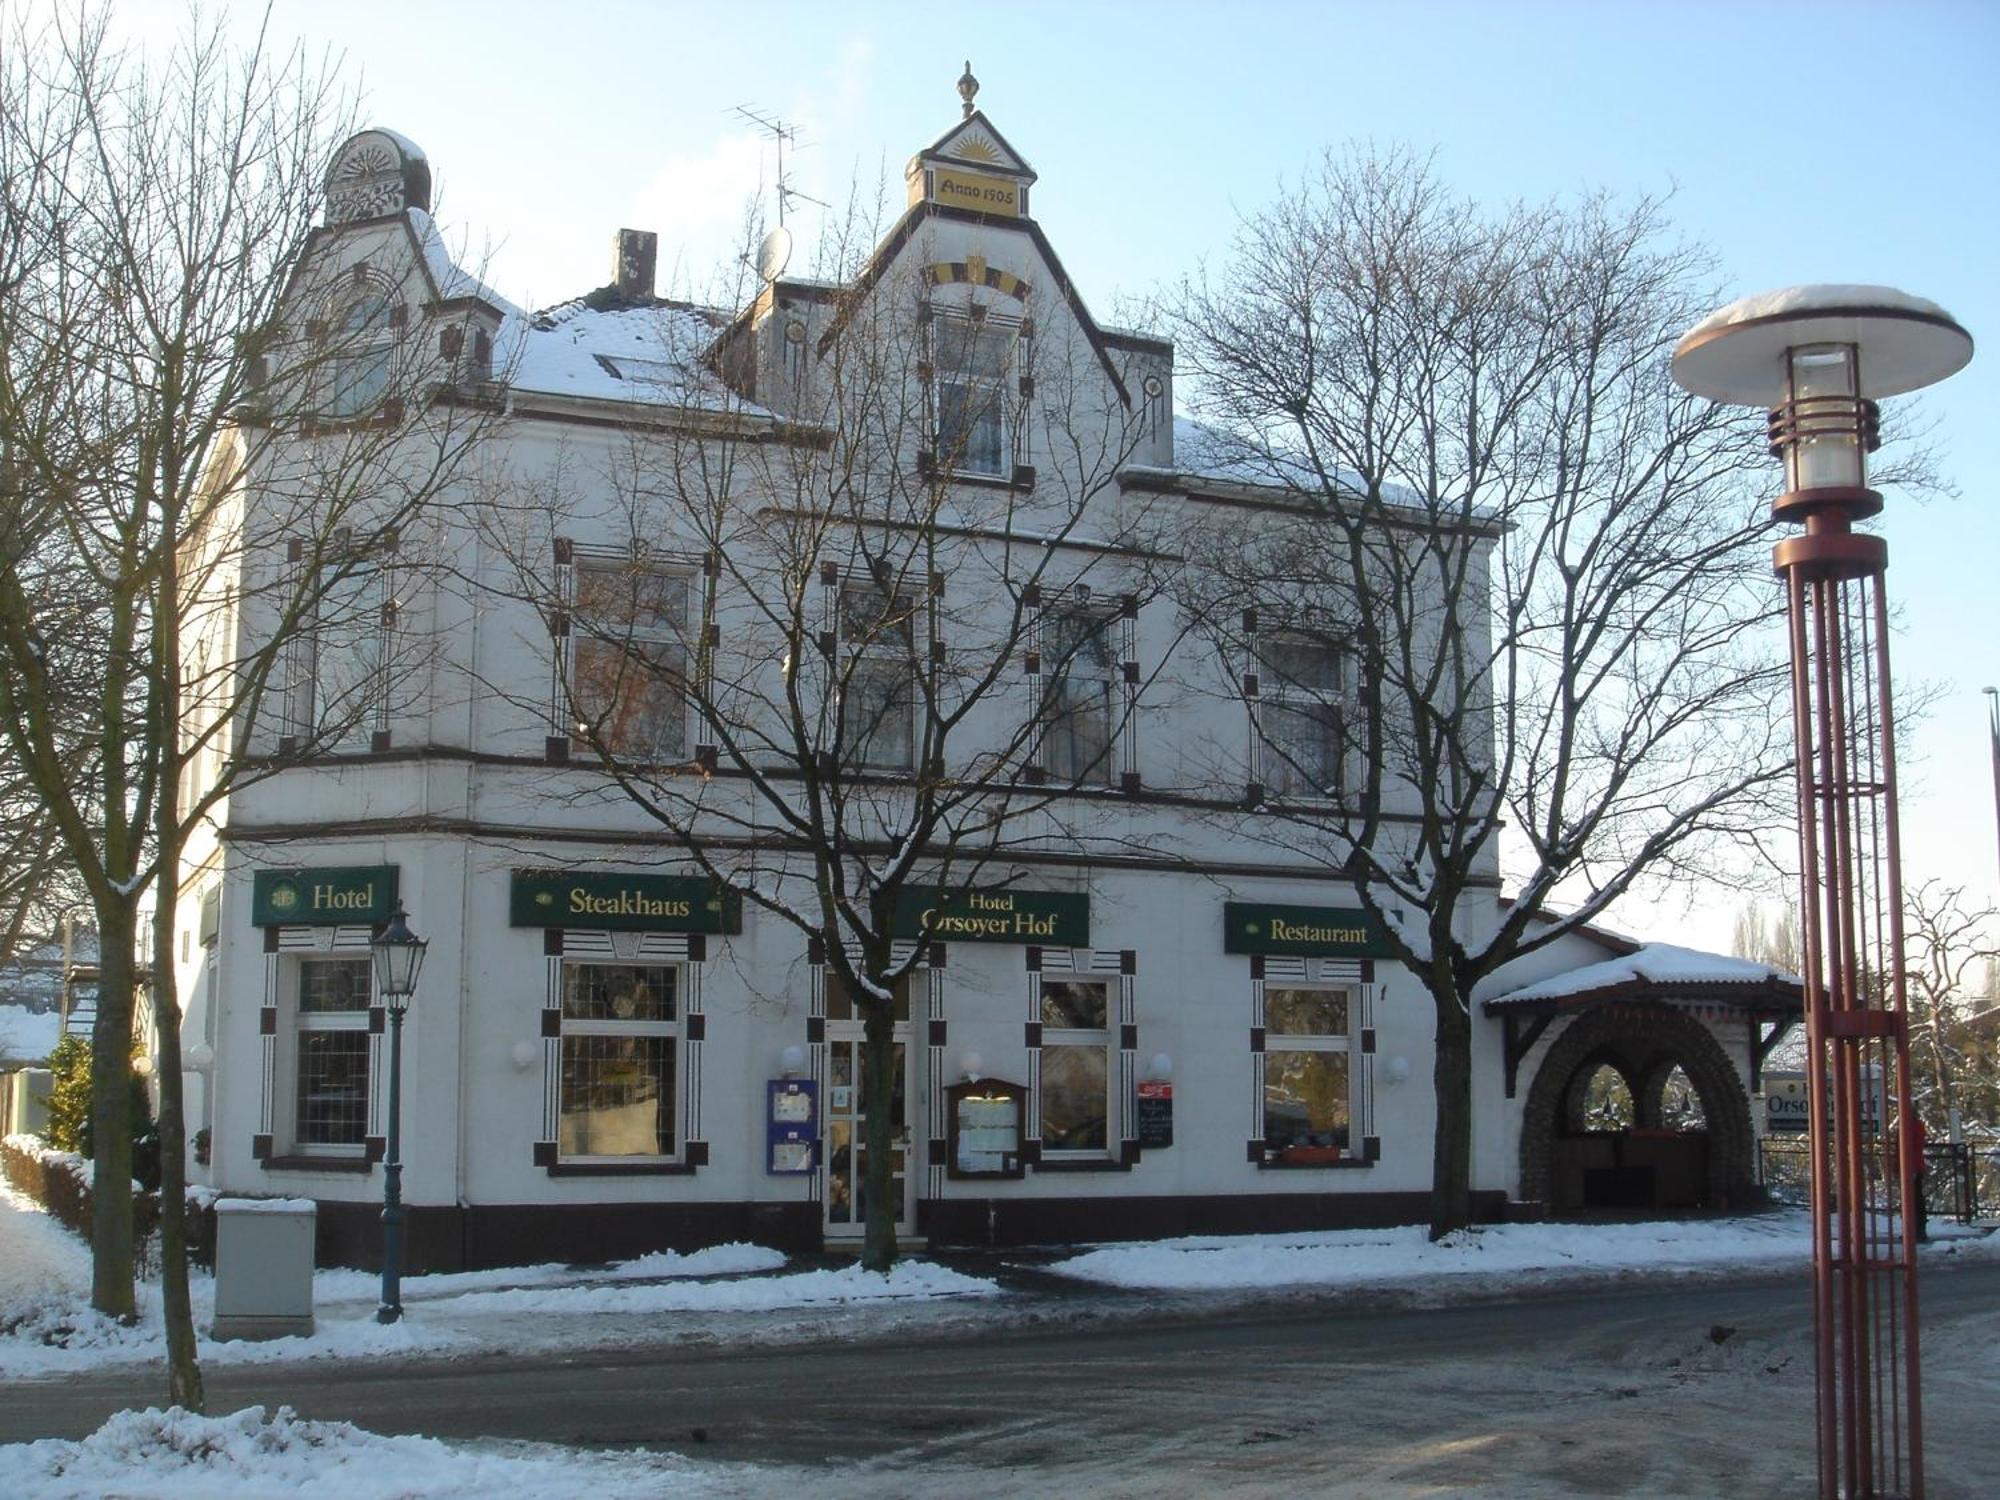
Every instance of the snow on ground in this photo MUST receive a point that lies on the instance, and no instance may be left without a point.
(176, 1455)
(1387, 1257)
(48, 1328)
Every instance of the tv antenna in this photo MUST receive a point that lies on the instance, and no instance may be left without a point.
(782, 133)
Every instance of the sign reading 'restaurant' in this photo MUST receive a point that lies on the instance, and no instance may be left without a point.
(330, 897)
(1052, 919)
(1301, 931)
(624, 903)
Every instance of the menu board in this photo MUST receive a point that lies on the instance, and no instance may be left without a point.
(989, 1134)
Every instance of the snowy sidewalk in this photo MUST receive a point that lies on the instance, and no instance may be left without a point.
(751, 1294)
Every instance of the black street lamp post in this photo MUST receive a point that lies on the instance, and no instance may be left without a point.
(399, 955)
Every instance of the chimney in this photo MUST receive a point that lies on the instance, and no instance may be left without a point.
(632, 271)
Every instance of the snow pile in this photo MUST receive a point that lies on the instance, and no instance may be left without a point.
(174, 1453)
(1390, 1256)
(907, 1279)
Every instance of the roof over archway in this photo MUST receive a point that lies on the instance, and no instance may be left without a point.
(1660, 973)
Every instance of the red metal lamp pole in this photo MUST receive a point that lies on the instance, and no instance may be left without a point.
(1816, 356)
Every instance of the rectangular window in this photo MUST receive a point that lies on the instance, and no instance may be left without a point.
(1077, 734)
(331, 1036)
(620, 1054)
(1076, 1067)
(1300, 683)
(628, 673)
(878, 702)
(1308, 1080)
(973, 360)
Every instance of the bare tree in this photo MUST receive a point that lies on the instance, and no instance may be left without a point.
(211, 475)
(1519, 584)
(827, 668)
(1948, 949)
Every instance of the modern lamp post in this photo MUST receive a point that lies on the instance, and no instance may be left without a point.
(1817, 357)
(399, 956)
(1993, 746)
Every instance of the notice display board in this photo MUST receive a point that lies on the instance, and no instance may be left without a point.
(983, 1136)
(791, 1126)
(1156, 1114)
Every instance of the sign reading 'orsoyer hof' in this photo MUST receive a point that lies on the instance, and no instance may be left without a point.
(1301, 931)
(1053, 919)
(624, 903)
(332, 896)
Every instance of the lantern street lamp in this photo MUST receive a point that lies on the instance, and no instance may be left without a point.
(1818, 357)
(399, 956)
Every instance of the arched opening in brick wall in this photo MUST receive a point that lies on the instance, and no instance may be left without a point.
(1689, 1143)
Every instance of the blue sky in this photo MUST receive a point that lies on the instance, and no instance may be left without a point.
(1803, 142)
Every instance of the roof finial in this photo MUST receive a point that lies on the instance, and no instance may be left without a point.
(967, 87)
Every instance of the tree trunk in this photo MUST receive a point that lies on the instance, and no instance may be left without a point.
(1451, 1150)
(184, 1388)
(878, 1130)
(110, 1114)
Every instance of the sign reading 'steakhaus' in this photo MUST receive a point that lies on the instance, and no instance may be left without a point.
(624, 903)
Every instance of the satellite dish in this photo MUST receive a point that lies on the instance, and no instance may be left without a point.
(774, 254)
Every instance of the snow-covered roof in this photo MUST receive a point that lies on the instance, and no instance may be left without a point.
(453, 280)
(1660, 966)
(651, 354)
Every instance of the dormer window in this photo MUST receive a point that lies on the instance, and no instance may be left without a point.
(973, 359)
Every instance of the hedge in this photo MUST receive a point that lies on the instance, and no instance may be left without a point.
(60, 1182)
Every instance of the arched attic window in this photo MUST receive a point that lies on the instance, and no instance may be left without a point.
(361, 350)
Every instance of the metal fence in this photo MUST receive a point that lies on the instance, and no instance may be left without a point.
(1957, 1179)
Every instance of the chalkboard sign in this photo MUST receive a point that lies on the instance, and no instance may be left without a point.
(1156, 1115)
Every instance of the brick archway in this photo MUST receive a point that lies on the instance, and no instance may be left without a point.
(1644, 1043)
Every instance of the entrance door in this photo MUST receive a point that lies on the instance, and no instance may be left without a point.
(846, 1113)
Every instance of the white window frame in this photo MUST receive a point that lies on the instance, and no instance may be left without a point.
(1064, 706)
(875, 656)
(674, 1030)
(1283, 700)
(635, 647)
(307, 1023)
(1342, 1043)
(1103, 1040)
(957, 382)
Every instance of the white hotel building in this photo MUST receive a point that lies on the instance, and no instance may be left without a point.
(1155, 1027)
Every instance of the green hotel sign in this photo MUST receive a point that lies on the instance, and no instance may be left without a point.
(330, 897)
(1054, 919)
(625, 903)
(1302, 931)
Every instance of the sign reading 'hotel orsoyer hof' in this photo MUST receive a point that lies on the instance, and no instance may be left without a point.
(1051, 919)
(1301, 931)
(332, 897)
(624, 903)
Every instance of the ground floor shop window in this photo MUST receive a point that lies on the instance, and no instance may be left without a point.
(1076, 1067)
(330, 1112)
(621, 1032)
(1308, 1076)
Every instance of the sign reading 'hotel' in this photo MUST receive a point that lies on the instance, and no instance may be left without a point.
(1301, 931)
(623, 903)
(328, 897)
(1053, 919)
